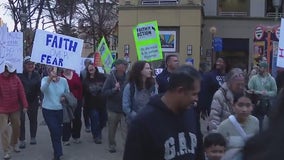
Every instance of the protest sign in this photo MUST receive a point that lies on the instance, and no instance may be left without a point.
(106, 55)
(147, 40)
(11, 49)
(57, 50)
(280, 55)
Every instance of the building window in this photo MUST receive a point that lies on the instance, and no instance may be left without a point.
(159, 2)
(233, 7)
(270, 9)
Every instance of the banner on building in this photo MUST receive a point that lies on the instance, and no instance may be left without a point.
(280, 55)
(57, 50)
(11, 49)
(106, 55)
(147, 41)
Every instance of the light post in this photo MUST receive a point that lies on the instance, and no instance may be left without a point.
(277, 5)
(213, 31)
(23, 21)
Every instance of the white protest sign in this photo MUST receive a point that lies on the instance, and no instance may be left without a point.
(280, 55)
(57, 50)
(3, 35)
(11, 49)
(14, 50)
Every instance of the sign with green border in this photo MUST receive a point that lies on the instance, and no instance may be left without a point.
(147, 40)
(106, 56)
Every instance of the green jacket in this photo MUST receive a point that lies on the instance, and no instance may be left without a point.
(259, 83)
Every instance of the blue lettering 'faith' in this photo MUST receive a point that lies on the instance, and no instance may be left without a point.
(60, 42)
(47, 59)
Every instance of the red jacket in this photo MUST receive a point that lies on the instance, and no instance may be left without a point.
(12, 94)
(75, 86)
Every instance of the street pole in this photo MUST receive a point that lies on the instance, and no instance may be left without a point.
(23, 19)
(213, 32)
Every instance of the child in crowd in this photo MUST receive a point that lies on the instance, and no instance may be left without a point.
(214, 146)
(238, 128)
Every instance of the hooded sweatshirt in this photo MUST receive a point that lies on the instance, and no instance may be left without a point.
(157, 133)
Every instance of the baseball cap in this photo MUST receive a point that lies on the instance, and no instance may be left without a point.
(120, 61)
(263, 64)
(10, 67)
(27, 59)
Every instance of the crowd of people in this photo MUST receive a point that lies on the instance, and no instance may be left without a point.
(159, 116)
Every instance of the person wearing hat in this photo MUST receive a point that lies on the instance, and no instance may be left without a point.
(222, 102)
(12, 96)
(264, 85)
(113, 89)
(31, 82)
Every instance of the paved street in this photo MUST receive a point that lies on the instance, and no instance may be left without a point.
(87, 150)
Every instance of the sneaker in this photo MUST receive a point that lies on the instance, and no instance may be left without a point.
(88, 130)
(7, 156)
(77, 140)
(98, 140)
(112, 150)
(66, 143)
(33, 141)
(16, 149)
(22, 144)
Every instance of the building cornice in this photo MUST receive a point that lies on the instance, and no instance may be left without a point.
(155, 7)
(238, 18)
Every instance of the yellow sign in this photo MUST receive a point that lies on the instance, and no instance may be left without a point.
(147, 40)
(106, 56)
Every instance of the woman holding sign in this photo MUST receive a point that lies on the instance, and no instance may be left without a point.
(53, 87)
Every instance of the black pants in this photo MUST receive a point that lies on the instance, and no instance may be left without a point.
(32, 114)
(73, 128)
(86, 114)
(261, 110)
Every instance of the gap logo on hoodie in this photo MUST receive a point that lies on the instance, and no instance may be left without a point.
(220, 79)
(178, 147)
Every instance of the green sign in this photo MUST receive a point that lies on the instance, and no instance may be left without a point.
(147, 40)
(106, 56)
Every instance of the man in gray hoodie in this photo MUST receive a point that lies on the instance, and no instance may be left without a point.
(113, 89)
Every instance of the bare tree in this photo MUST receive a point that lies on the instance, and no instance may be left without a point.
(27, 14)
(98, 18)
(61, 14)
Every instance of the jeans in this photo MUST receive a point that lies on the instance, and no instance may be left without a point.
(14, 118)
(32, 114)
(54, 120)
(98, 119)
(95, 123)
(73, 128)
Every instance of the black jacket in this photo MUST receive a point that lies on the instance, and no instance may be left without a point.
(32, 87)
(163, 80)
(92, 91)
(157, 134)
